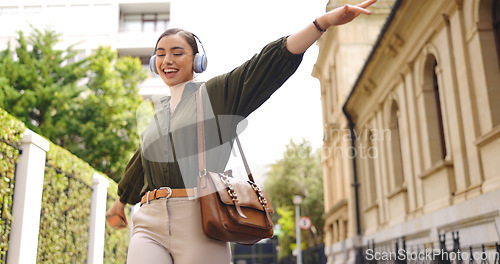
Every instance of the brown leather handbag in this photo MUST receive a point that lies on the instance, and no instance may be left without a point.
(232, 210)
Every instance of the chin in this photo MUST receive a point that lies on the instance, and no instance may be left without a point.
(170, 82)
(175, 81)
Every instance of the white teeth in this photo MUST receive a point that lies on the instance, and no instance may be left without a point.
(170, 70)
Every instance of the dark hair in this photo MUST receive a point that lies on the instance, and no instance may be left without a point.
(188, 36)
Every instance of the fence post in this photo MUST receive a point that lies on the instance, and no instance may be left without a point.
(28, 187)
(97, 219)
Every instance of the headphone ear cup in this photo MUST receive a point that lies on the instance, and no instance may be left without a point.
(199, 63)
(152, 64)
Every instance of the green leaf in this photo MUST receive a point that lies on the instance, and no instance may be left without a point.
(299, 172)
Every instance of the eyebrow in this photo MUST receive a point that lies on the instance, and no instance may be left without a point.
(173, 48)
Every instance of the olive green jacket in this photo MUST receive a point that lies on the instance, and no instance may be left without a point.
(168, 152)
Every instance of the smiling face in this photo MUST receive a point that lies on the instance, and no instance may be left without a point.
(174, 60)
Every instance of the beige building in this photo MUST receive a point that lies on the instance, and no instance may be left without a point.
(418, 84)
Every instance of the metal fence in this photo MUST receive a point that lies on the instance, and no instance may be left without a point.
(314, 255)
(7, 195)
(263, 252)
(65, 217)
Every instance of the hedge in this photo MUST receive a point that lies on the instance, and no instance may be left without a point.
(10, 134)
(66, 198)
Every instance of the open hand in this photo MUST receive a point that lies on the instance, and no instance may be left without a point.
(344, 14)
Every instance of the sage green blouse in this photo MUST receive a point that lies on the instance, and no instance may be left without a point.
(168, 152)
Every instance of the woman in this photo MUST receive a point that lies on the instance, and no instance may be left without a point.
(162, 173)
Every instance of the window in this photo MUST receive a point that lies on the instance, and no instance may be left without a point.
(496, 26)
(324, 107)
(334, 90)
(435, 136)
(397, 165)
(146, 22)
(336, 231)
(368, 152)
(495, 92)
(437, 99)
(371, 154)
(330, 235)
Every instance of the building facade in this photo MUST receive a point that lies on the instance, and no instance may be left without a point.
(412, 132)
(129, 26)
(342, 51)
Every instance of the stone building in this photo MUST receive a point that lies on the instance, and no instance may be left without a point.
(411, 113)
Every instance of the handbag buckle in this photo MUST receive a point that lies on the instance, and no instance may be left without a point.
(258, 191)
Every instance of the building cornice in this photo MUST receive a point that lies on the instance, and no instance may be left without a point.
(339, 205)
(381, 36)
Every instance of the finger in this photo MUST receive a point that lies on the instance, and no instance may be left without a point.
(367, 3)
(123, 217)
(125, 220)
(356, 9)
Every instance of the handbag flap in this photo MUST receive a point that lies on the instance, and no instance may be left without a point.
(245, 193)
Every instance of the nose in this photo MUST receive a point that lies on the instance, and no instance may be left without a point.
(167, 59)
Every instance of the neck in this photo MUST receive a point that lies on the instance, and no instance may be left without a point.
(176, 93)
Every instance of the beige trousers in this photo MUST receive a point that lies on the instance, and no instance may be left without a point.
(169, 231)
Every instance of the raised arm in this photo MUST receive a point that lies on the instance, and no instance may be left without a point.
(299, 42)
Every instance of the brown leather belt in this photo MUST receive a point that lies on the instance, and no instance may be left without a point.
(167, 192)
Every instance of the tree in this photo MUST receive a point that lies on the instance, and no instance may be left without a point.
(42, 78)
(297, 173)
(84, 105)
(104, 119)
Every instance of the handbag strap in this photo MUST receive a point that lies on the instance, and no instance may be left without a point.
(202, 162)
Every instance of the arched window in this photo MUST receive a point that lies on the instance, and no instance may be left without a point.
(395, 143)
(439, 113)
(334, 90)
(496, 26)
(435, 136)
(369, 153)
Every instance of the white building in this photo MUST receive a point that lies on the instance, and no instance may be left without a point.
(131, 27)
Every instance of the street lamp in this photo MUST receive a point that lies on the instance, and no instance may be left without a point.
(297, 200)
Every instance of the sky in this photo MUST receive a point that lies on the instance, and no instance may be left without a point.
(231, 33)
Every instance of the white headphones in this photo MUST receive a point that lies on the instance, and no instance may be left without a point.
(199, 62)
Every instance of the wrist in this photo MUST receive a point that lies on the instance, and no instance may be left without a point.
(321, 23)
(119, 204)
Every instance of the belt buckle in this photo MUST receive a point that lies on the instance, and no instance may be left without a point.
(147, 197)
(169, 191)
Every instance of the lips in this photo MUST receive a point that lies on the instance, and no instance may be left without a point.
(170, 72)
